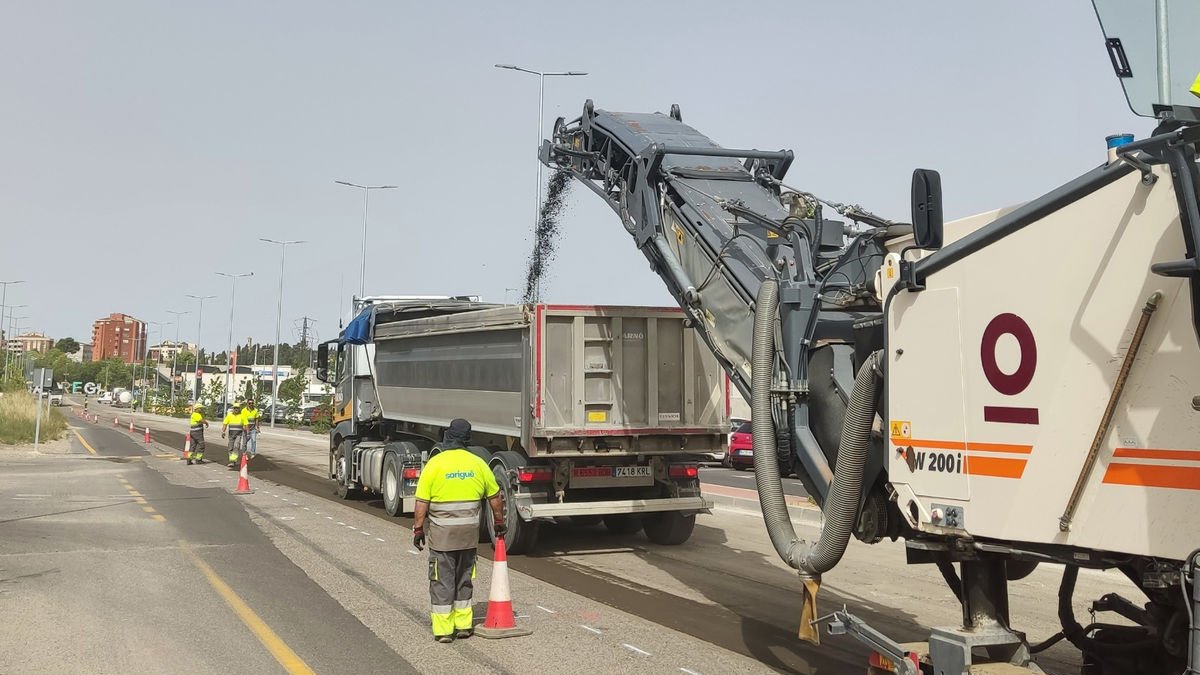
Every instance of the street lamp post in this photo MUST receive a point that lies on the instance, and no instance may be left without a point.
(175, 352)
(362, 272)
(199, 339)
(11, 310)
(232, 355)
(279, 312)
(537, 193)
(3, 303)
(146, 358)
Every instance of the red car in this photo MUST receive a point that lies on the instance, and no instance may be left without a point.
(741, 447)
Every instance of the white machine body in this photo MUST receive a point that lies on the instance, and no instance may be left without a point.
(999, 373)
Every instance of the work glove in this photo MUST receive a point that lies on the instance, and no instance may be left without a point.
(501, 528)
(222, 434)
(419, 539)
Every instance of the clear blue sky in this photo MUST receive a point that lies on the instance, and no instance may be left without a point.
(147, 145)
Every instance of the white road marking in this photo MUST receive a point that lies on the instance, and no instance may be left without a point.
(378, 539)
(365, 534)
(414, 551)
(597, 631)
(689, 672)
(340, 523)
(546, 609)
(635, 649)
(33, 495)
(328, 517)
(287, 517)
(306, 508)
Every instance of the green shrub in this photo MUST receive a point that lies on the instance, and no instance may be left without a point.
(18, 418)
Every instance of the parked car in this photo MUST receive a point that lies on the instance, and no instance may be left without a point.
(106, 398)
(741, 447)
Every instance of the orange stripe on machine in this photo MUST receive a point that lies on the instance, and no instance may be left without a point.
(973, 462)
(1153, 475)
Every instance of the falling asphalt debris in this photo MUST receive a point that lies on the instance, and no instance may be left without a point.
(545, 241)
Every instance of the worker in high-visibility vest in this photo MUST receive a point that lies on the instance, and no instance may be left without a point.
(250, 418)
(196, 432)
(234, 424)
(449, 496)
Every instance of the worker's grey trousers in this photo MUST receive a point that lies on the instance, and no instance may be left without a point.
(450, 586)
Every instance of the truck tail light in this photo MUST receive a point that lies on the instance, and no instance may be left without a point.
(684, 471)
(409, 474)
(535, 474)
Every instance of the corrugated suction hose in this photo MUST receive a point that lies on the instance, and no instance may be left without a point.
(841, 507)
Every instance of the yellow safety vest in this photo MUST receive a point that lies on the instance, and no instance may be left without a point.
(233, 420)
(250, 417)
(197, 420)
(454, 482)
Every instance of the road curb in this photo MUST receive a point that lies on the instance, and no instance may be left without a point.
(800, 515)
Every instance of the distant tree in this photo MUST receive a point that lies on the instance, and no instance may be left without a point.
(185, 358)
(291, 390)
(67, 345)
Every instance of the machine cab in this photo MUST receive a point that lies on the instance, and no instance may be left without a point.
(1155, 54)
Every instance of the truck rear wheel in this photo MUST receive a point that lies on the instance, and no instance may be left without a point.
(341, 459)
(623, 523)
(669, 528)
(392, 503)
(522, 535)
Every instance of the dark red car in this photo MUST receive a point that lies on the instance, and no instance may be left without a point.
(741, 447)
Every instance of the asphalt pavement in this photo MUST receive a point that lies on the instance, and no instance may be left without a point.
(724, 593)
(112, 568)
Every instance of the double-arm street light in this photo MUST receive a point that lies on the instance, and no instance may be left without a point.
(362, 272)
(279, 317)
(199, 332)
(146, 358)
(231, 357)
(175, 352)
(537, 194)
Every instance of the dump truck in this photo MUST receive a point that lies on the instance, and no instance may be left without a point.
(1006, 390)
(589, 413)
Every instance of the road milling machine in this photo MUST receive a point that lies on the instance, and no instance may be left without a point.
(1014, 388)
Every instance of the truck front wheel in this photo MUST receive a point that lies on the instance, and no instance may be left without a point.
(522, 535)
(341, 462)
(669, 528)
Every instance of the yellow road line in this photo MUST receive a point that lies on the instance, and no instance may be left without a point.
(86, 445)
(159, 517)
(287, 658)
(135, 493)
(149, 509)
(140, 500)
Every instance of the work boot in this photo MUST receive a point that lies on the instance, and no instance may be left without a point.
(463, 634)
(189, 461)
(444, 639)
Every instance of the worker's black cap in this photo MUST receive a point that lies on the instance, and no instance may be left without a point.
(459, 431)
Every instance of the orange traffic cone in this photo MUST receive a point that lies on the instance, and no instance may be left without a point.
(146, 438)
(116, 422)
(243, 486)
(187, 447)
(500, 622)
(131, 425)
